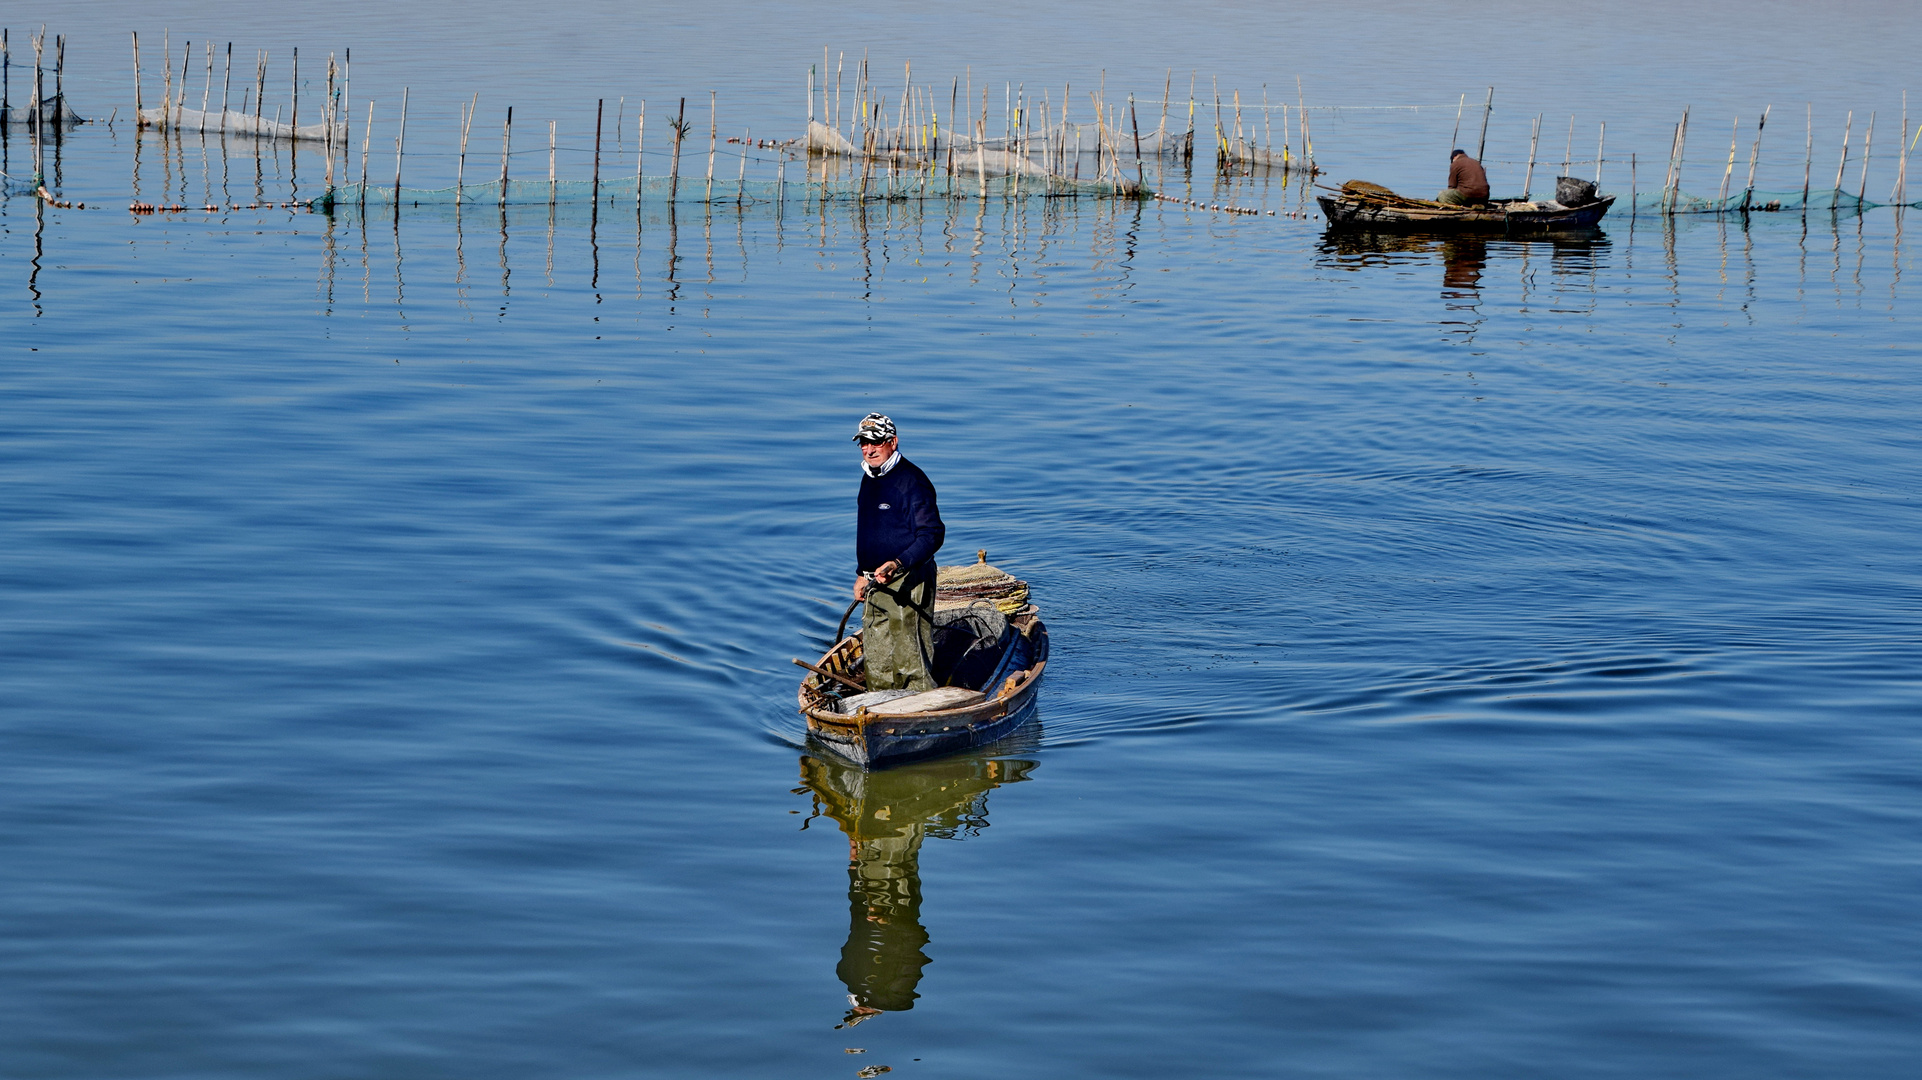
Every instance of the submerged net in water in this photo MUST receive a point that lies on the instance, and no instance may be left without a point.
(629, 191)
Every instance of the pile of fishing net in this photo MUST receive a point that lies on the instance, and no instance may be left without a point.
(963, 586)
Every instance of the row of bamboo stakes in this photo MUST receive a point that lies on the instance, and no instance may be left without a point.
(1671, 183)
(916, 128)
(36, 114)
(1898, 195)
(37, 119)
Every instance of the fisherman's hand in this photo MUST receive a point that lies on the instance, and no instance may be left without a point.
(861, 587)
(886, 571)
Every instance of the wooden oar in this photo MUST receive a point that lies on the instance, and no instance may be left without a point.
(825, 673)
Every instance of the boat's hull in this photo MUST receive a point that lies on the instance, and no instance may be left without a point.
(1349, 213)
(878, 741)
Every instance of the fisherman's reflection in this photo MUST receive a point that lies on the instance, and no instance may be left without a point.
(886, 815)
(1463, 259)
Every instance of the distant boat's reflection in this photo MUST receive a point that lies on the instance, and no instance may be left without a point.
(886, 815)
(1573, 257)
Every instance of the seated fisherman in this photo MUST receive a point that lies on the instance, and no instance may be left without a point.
(1467, 183)
(897, 532)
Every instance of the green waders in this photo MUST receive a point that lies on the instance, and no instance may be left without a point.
(897, 631)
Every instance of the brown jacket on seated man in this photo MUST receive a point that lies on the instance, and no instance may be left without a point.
(1467, 183)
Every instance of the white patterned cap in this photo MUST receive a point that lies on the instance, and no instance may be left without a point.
(875, 428)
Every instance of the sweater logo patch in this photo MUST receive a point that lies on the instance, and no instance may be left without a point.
(885, 506)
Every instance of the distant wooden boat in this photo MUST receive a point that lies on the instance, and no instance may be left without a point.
(1360, 205)
(991, 664)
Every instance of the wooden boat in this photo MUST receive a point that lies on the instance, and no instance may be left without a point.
(990, 682)
(1360, 205)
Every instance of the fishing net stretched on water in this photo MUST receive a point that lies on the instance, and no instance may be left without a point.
(1645, 203)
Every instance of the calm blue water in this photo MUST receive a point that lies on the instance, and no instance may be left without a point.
(1470, 658)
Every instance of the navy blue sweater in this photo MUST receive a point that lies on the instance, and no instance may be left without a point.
(898, 519)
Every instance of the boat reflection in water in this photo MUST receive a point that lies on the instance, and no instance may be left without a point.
(1573, 258)
(886, 815)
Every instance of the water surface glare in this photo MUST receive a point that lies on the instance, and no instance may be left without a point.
(1471, 658)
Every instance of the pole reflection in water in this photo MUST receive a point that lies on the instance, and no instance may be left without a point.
(886, 815)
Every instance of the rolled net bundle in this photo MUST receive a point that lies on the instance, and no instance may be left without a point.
(964, 586)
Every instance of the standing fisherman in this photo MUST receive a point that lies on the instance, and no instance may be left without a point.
(897, 532)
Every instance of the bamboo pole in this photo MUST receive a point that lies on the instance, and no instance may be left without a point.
(640, 152)
(460, 163)
(1141, 179)
(260, 87)
(1267, 122)
(1844, 163)
(1600, 137)
(39, 128)
(1568, 148)
(713, 134)
(740, 193)
(1754, 156)
(1454, 139)
(1899, 193)
(1528, 179)
(167, 79)
(1808, 161)
(1728, 172)
(366, 138)
(1668, 178)
(186, 58)
(594, 188)
(327, 120)
(1868, 143)
(1188, 141)
(679, 125)
(226, 84)
(207, 88)
(138, 104)
(1161, 132)
(550, 163)
(507, 137)
(1241, 147)
(1308, 143)
(1481, 147)
(980, 143)
(293, 113)
(954, 124)
(1221, 143)
(400, 148)
(346, 102)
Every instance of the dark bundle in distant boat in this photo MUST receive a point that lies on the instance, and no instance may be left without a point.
(1572, 192)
